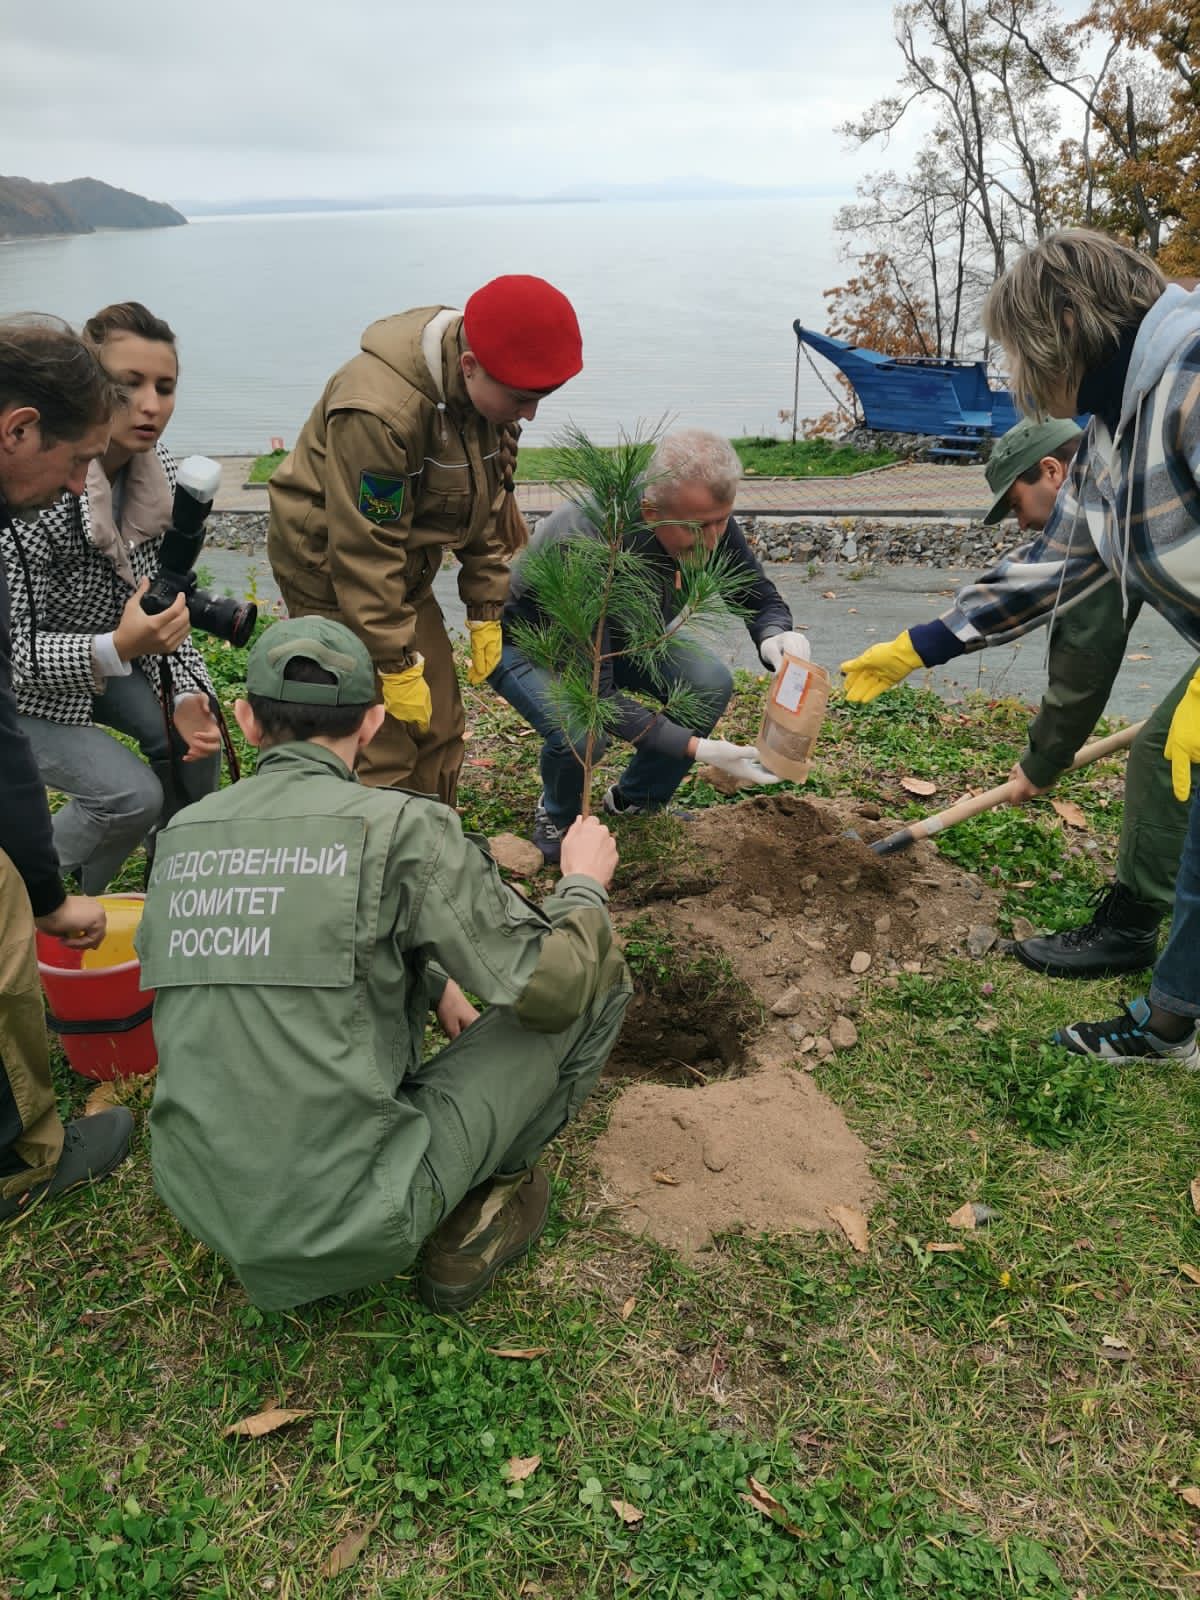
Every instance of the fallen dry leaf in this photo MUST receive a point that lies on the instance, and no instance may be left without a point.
(347, 1550)
(1114, 1349)
(829, 594)
(519, 1355)
(665, 1177)
(1192, 1274)
(918, 786)
(627, 1308)
(1138, 656)
(964, 1217)
(101, 1098)
(762, 1500)
(629, 1515)
(517, 1468)
(263, 1422)
(852, 1223)
(944, 1249)
(1071, 814)
(1191, 1494)
(1194, 1191)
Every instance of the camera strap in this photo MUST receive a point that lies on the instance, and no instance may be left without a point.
(167, 697)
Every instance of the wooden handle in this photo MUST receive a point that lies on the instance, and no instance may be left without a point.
(971, 805)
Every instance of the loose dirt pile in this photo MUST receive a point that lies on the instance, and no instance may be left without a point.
(748, 974)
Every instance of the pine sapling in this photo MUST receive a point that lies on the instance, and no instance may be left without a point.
(600, 599)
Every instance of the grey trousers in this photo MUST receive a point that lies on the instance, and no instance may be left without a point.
(115, 799)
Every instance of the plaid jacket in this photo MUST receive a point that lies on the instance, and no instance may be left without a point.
(1128, 514)
(62, 593)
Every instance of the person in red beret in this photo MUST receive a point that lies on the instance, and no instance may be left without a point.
(409, 453)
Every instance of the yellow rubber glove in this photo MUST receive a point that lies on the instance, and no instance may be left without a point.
(881, 667)
(1182, 748)
(406, 695)
(485, 650)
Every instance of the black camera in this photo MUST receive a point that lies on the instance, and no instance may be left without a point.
(182, 543)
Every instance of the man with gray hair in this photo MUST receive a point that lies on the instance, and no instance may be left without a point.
(686, 508)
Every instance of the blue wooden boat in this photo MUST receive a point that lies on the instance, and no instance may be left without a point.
(950, 400)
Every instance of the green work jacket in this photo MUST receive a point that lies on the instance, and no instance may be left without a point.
(297, 929)
(1087, 647)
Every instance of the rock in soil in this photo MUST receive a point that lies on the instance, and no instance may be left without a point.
(981, 938)
(517, 855)
(843, 1034)
(789, 1003)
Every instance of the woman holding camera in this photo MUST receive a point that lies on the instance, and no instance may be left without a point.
(408, 454)
(86, 657)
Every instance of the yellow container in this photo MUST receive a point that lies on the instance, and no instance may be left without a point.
(116, 948)
(792, 717)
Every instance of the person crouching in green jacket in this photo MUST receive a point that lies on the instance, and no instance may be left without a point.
(298, 930)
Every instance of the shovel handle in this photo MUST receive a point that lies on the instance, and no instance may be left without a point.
(971, 805)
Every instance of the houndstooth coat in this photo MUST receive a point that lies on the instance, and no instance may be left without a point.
(65, 591)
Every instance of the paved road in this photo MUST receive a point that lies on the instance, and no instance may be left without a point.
(861, 613)
(908, 489)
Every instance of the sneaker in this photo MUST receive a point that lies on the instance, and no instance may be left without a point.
(547, 834)
(92, 1148)
(1120, 936)
(616, 805)
(1128, 1035)
(493, 1224)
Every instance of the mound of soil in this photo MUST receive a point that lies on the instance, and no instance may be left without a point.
(803, 912)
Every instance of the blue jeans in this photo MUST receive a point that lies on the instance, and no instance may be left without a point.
(1176, 982)
(651, 778)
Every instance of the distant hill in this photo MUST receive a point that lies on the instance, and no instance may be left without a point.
(79, 206)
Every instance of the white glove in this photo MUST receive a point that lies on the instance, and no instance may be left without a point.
(771, 650)
(738, 760)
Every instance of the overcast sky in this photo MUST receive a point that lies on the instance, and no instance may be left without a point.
(236, 99)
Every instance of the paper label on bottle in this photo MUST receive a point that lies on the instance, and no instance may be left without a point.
(791, 686)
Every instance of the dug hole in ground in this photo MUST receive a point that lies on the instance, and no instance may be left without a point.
(748, 964)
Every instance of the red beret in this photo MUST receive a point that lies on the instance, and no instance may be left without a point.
(525, 332)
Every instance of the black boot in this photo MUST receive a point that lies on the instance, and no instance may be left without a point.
(1122, 936)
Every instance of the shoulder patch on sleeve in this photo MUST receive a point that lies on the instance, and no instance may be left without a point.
(380, 497)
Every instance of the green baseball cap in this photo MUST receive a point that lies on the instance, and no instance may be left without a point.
(1019, 449)
(324, 642)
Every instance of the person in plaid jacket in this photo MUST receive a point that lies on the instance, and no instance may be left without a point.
(85, 656)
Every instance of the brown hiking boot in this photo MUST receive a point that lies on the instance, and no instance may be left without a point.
(494, 1223)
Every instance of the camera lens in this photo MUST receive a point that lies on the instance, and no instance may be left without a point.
(224, 618)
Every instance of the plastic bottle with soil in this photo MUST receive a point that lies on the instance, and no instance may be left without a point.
(792, 717)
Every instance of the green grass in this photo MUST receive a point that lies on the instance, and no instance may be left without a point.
(263, 466)
(944, 1424)
(760, 457)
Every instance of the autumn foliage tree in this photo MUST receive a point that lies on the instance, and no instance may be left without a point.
(1036, 121)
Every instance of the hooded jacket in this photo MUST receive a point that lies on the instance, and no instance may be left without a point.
(393, 468)
(1128, 515)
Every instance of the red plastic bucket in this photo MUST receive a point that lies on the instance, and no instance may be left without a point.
(99, 1012)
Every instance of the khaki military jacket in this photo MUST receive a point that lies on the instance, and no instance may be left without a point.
(393, 468)
(293, 930)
